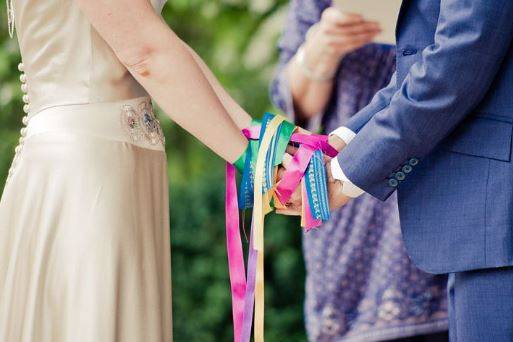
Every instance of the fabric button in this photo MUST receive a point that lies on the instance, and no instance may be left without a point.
(407, 169)
(393, 183)
(25, 120)
(23, 131)
(400, 176)
(409, 52)
(413, 162)
(26, 98)
(24, 88)
(23, 78)
(26, 108)
(21, 67)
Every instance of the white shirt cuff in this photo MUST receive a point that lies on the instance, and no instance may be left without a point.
(344, 133)
(348, 188)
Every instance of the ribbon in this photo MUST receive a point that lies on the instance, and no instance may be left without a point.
(258, 226)
(307, 170)
(234, 251)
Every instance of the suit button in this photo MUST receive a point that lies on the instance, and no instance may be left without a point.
(407, 169)
(400, 176)
(413, 162)
(393, 183)
(409, 52)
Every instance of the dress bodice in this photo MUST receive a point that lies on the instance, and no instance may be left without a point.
(65, 61)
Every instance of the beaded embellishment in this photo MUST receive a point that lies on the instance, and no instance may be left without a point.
(141, 124)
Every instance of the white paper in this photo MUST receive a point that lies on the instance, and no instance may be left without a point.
(385, 12)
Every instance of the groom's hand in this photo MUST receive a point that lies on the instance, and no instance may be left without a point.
(336, 196)
(336, 142)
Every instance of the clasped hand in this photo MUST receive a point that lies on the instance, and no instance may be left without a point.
(336, 197)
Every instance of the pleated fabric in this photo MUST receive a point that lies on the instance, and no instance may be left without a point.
(84, 242)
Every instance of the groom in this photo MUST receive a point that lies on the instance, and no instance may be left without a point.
(441, 135)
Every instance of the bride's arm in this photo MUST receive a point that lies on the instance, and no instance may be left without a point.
(239, 115)
(165, 67)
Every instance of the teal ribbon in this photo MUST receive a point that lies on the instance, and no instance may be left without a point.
(316, 187)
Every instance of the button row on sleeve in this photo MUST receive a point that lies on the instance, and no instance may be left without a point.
(395, 178)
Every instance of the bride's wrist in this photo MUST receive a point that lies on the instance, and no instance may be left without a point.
(240, 163)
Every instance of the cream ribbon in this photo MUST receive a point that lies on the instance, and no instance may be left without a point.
(258, 224)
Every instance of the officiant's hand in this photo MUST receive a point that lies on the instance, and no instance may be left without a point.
(336, 35)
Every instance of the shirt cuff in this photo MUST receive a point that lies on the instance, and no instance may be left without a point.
(344, 133)
(348, 188)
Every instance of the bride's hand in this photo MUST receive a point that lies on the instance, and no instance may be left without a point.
(294, 205)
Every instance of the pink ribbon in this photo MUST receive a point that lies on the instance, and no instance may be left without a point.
(309, 143)
(235, 253)
(243, 291)
(294, 173)
(315, 141)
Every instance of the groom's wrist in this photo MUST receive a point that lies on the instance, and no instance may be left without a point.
(344, 133)
(349, 188)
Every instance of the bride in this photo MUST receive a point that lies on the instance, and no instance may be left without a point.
(84, 240)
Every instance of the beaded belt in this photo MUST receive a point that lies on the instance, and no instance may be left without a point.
(131, 121)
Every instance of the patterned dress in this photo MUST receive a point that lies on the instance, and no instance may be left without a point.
(361, 285)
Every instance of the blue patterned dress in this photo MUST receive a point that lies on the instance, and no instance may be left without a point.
(361, 285)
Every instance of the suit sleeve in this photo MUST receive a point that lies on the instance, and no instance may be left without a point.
(380, 101)
(438, 92)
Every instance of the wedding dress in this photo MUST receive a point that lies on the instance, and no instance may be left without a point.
(84, 227)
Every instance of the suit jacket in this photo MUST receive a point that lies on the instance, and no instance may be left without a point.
(440, 134)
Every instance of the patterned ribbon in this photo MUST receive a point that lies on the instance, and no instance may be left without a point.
(306, 170)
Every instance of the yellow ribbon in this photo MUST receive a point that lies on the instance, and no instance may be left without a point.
(259, 210)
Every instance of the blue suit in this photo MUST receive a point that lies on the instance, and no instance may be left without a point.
(440, 134)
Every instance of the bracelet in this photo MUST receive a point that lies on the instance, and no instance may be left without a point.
(309, 73)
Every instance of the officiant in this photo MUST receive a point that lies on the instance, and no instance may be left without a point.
(361, 285)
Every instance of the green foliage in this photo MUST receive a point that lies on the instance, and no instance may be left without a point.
(237, 39)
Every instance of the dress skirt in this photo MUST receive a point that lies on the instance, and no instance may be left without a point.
(84, 228)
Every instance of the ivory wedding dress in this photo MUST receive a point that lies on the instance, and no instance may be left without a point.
(84, 228)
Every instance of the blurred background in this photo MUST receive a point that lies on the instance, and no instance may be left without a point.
(237, 39)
